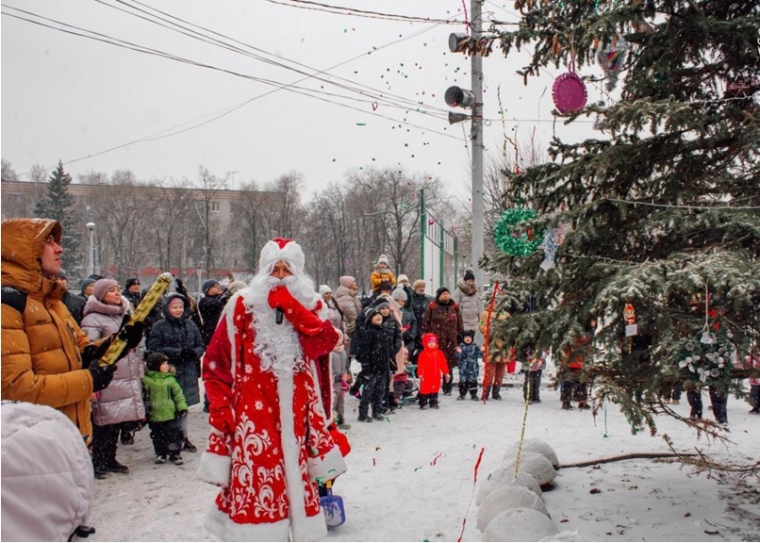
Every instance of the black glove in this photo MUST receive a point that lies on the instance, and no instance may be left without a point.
(101, 375)
(93, 353)
(183, 413)
(132, 333)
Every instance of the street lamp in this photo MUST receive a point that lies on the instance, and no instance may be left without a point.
(92, 266)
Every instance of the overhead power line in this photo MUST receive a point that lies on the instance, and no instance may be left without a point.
(376, 94)
(342, 10)
(97, 36)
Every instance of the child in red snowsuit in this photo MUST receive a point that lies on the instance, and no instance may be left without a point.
(431, 364)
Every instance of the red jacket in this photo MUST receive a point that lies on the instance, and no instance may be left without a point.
(431, 364)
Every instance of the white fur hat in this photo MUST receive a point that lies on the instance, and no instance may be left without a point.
(324, 289)
(282, 249)
(382, 259)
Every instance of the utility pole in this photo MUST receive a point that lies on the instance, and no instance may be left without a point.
(478, 206)
(472, 99)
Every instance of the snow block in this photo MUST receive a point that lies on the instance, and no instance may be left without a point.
(506, 477)
(535, 445)
(535, 464)
(521, 524)
(506, 498)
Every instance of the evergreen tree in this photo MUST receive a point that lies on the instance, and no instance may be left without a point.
(58, 204)
(660, 211)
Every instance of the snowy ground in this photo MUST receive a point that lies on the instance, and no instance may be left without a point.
(410, 478)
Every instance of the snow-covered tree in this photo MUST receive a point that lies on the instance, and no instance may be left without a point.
(58, 204)
(660, 211)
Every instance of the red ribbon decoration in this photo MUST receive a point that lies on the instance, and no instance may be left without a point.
(474, 481)
(488, 332)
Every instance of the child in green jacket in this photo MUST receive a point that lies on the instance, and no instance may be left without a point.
(165, 405)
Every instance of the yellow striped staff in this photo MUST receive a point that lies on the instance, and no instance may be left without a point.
(143, 309)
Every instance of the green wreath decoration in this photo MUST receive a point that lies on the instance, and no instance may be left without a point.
(706, 359)
(516, 241)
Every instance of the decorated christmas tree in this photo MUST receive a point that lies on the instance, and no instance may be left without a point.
(651, 228)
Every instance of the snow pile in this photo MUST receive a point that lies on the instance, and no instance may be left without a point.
(506, 477)
(511, 507)
(521, 524)
(534, 445)
(506, 498)
(535, 464)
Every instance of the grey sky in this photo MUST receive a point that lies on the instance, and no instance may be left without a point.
(66, 97)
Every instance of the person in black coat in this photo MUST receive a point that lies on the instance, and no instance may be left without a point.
(210, 307)
(132, 291)
(374, 348)
(178, 338)
(419, 304)
(73, 302)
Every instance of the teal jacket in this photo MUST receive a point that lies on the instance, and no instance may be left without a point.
(163, 396)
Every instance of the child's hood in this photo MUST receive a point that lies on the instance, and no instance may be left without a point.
(167, 301)
(428, 338)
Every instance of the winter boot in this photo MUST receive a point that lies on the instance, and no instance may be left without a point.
(583, 405)
(567, 405)
(495, 393)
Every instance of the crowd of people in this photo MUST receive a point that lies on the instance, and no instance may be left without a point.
(275, 359)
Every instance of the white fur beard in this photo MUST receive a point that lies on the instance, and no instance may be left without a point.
(277, 345)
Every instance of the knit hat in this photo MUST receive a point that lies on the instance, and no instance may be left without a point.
(370, 312)
(468, 274)
(403, 278)
(470, 333)
(62, 275)
(233, 287)
(85, 283)
(347, 281)
(324, 289)
(381, 304)
(419, 283)
(131, 281)
(168, 300)
(207, 284)
(101, 287)
(154, 360)
(441, 291)
(399, 294)
(383, 259)
(385, 285)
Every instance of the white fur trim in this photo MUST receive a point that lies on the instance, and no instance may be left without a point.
(318, 389)
(226, 529)
(215, 469)
(311, 528)
(329, 467)
(290, 449)
(291, 253)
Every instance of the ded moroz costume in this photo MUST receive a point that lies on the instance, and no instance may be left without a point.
(269, 445)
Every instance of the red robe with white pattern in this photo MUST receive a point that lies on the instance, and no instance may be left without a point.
(281, 446)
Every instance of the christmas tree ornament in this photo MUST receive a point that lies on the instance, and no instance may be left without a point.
(629, 314)
(549, 245)
(512, 236)
(705, 363)
(611, 58)
(569, 92)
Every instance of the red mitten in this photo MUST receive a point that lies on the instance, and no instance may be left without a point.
(303, 320)
(222, 420)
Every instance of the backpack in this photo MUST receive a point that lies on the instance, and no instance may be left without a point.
(14, 298)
